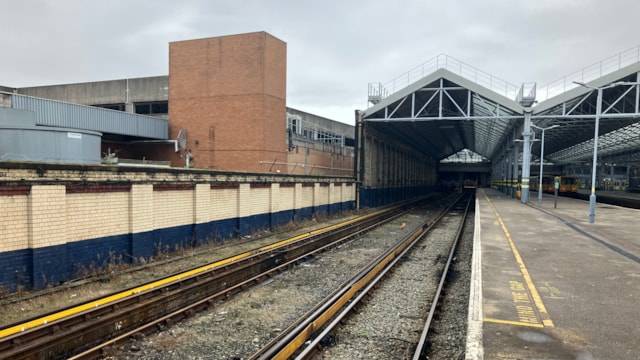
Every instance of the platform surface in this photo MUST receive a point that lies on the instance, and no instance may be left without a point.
(549, 285)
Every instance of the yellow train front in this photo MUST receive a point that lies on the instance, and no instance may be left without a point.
(567, 184)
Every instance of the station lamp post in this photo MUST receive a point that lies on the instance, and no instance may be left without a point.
(541, 158)
(592, 197)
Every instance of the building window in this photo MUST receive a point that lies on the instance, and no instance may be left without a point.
(294, 123)
(152, 108)
(119, 107)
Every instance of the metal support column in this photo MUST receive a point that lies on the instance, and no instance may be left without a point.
(526, 98)
(516, 160)
(358, 165)
(526, 155)
(592, 197)
(510, 189)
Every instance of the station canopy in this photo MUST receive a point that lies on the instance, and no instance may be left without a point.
(445, 107)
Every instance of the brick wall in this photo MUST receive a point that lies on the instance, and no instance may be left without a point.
(95, 215)
(287, 196)
(310, 161)
(60, 219)
(47, 215)
(172, 208)
(229, 93)
(15, 220)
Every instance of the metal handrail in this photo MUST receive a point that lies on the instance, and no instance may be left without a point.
(589, 73)
(502, 87)
(448, 63)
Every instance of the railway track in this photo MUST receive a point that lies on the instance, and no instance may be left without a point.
(627, 202)
(321, 326)
(87, 330)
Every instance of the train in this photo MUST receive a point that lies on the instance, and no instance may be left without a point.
(634, 180)
(470, 184)
(567, 184)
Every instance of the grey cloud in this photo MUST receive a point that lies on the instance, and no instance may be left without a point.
(334, 47)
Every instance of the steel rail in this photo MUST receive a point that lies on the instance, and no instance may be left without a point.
(94, 323)
(436, 298)
(338, 304)
(209, 302)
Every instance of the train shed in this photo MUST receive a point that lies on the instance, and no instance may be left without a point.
(445, 122)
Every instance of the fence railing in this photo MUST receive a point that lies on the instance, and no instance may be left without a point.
(590, 73)
(380, 91)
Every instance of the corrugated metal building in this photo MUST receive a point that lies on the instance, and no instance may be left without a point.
(133, 117)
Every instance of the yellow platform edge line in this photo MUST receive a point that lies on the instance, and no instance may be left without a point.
(537, 299)
(162, 282)
(510, 322)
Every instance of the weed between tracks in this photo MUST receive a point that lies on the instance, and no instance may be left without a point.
(118, 272)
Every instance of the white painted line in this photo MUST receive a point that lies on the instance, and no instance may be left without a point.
(474, 349)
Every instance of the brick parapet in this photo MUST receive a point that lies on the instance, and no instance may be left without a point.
(14, 176)
(133, 207)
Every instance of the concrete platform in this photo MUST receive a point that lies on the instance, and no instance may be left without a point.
(549, 285)
(622, 194)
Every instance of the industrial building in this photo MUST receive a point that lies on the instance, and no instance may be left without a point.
(222, 107)
(253, 163)
(121, 171)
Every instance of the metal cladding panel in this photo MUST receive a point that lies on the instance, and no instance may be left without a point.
(67, 115)
(49, 144)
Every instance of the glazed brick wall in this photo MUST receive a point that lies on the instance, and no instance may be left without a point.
(350, 194)
(244, 196)
(335, 193)
(224, 203)
(202, 204)
(259, 201)
(298, 199)
(306, 196)
(141, 208)
(14, 222)
(47, 218)
(230, 94)
(286, 198)
(96, 215)
(323, 195)
(172, 208)
(274, 199)
(57, 219)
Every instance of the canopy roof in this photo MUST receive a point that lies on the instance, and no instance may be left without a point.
(456, 107)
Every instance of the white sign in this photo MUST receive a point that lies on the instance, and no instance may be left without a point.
(72, 135)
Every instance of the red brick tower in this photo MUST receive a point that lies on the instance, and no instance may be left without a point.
(229, 93)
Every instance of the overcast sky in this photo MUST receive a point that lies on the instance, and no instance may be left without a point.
(334, 48)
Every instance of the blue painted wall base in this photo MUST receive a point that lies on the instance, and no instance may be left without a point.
(42, 267)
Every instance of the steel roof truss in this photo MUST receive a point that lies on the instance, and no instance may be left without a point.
(575, 106)
(425, 105)
(440, 98)
(618, 100)
(462, 112)
(486, 106)
(398, 106)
